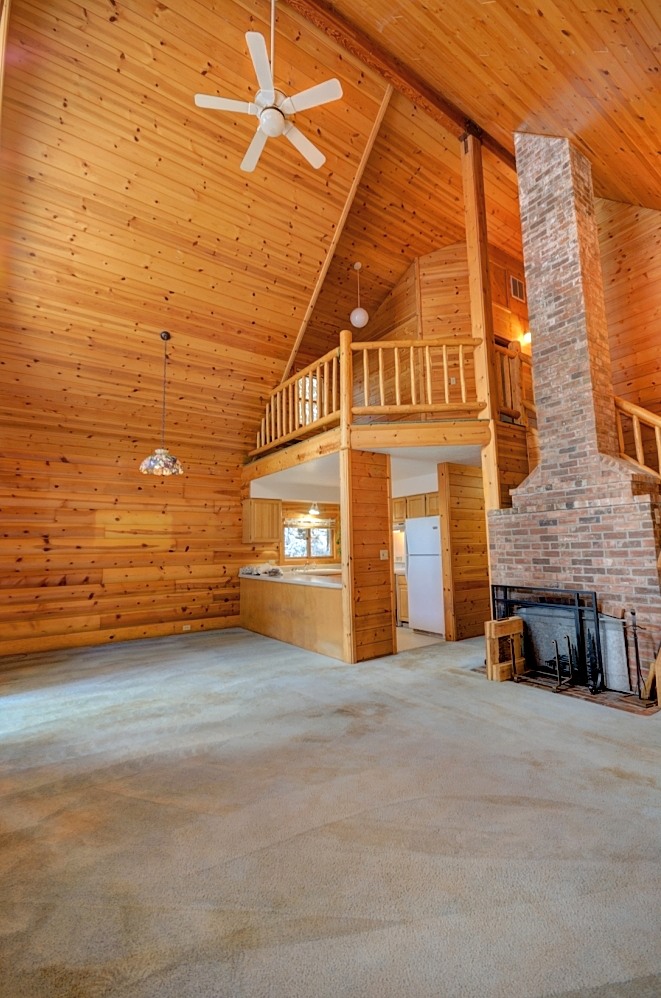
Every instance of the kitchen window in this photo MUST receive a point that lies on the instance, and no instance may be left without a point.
(306, 542)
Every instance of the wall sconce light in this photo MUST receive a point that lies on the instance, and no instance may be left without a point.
(359, 317)
(526, 339)
(162, 462)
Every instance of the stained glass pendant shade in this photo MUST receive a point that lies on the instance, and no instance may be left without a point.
(162, 462)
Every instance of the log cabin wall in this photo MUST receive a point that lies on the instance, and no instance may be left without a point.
(372, 611)
(444, 297)
(630, 242)
(464, 551)
(514, 459)
(432, 299)
(398, 315)
(119, 220)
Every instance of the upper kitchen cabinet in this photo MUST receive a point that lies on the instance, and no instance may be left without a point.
(423, 504)
(262, 521)
(399, 509)
(431, 504)
(416, 505)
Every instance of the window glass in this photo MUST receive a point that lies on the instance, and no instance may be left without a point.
(308, 542)
(320, 542)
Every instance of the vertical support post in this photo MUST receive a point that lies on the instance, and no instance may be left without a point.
(346, 519)
(4, 30)
(481, 307)
(346, 557)
(346, 387)
(445, 512)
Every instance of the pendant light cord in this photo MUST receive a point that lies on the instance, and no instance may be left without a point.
(165, 336)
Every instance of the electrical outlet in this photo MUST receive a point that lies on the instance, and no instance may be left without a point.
(383, 554)
(185, 627)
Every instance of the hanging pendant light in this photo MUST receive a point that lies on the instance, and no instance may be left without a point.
(313, 510)
(162, 462)
(359, 317)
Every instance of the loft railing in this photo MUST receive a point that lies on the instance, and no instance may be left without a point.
(306, 403)
(415, 377)
(639, 435)
(386, 378)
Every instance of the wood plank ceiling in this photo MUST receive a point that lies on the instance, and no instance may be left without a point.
(125, 211)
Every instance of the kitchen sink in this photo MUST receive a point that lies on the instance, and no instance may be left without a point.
(319, 571)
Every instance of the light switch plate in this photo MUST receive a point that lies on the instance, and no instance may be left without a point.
(383, 554)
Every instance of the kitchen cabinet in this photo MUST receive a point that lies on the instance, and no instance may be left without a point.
(262, 521)
(306, 616)
(424, 504)
(402, 598)
(416, 505)
(399, 509)
(431, 504)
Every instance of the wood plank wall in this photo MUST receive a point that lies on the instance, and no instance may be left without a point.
(373, 609)
(630, 239)
(464, 555)
(124, 213)
(91, 551)
(397, 316)
(432, 298)
(444, 297)
(513, 459)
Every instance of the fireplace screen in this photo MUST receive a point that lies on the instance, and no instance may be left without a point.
(565, 636)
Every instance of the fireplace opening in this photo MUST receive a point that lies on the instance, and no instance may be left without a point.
(566, 640)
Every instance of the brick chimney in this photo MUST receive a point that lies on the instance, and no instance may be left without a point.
(584, 519)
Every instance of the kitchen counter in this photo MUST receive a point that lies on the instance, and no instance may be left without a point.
(328, 578)
(302, 608)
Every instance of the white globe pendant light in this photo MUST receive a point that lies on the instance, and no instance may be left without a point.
(359, 317)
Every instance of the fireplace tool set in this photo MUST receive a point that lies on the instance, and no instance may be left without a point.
(561, 643)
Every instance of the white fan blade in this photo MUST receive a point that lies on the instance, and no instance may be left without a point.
(323, 93)
(254, 151)
(225, 104)
(313, 155)
(260, 60)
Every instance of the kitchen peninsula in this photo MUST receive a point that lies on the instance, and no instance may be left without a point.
(302, 606)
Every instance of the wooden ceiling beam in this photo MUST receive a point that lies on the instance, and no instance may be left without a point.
(403, 79)
(339, 228)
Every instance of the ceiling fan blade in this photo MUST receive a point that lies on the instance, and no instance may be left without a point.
(314, 156)
(254, 151)
(322, 93)
(225, 104)
(260, 60)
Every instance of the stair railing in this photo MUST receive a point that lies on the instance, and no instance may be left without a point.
(639, 436)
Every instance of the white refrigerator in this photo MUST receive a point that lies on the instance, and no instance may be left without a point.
(423, 574)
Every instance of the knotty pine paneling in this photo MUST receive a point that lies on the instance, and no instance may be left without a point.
(513, 465)
(397, 316)
(124, 212)
(464, 556)
(408, 205)
(587, 71)
(372, 608)
(630, 240)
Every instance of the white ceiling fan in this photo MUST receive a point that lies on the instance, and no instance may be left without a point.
(273, 108)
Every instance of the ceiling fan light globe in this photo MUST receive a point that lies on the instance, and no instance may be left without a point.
(359, 318)
(272, 122)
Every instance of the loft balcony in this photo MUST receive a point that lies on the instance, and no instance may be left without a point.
(411, 391)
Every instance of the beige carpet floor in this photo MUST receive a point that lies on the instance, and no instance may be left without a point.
(225, 816)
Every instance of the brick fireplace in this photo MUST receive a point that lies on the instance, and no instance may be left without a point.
(583, 519)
